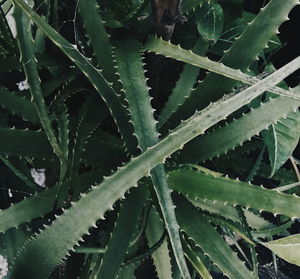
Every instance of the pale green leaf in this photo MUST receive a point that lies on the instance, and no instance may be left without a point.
(287, 248)
(281, 139)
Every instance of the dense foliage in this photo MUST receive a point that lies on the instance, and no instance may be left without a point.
(188, 143)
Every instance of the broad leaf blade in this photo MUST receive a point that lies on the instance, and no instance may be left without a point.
(209, 19)
(281, 139)
(286, 248)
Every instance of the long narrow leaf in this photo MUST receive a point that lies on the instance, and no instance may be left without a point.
(227, 190)
(93, 74)
(49, 247)
(130, 68)
(167, 49)
(25, 42)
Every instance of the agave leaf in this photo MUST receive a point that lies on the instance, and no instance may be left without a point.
(24, 143)
(238, 131)
(51, 85)
(196, 261)
(227, 190)
(239, 56)
(229, 212)
(63, 135)
(99, 38)
(122, 233)
(286, 248)
(207, 238)
(167, 49)
(184, 85)
(28, 209)
(90, 116)
(41, 203)
(281, 139)
(93, 74)
(161, 256)
(129, 63)
(25, 42)
(127, 272)
(107, 147)
(18, 105)
(273, 231)
(49, 247)
(18, 168)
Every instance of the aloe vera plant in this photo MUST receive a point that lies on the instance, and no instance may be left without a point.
(129, 175)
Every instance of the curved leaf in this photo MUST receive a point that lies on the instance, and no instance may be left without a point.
(99, 38)
(184, 85)
(286, 248)
(238, 131)
(25, 42)
(207, 238)
(196, 261)
(281, 139)
(24, 143)
(235, 192)
(161, 256)
(93, 74)
(167, 49)
(239, 56)
(18, 105)
(131, 70)
(49, 247)
(122, 233)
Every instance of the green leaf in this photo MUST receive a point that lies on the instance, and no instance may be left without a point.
(49, 247)
(30, 208)
(235, 192)
(129, 63)
(24, 143)
(21, 170)
(196, 261)
(41, 203)
(281, 139)
(209, 20)
(207, 238)
(239, 56)
(286, 248)
(122, 233)
(102, 145)
(18, 105)
(25, 42)
(184, 85)
(93, 74)
(233, 134)
(99, 38)
(229, 212)
(176, 52)
(161, 256)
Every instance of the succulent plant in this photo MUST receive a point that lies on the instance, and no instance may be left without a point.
(118, 147)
